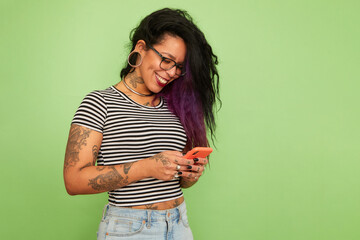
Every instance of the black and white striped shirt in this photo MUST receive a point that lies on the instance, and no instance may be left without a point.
(132, 132)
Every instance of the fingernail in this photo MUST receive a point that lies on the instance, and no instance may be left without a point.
(183, 154)
(179, 173)
(196, 159)
(189, 167)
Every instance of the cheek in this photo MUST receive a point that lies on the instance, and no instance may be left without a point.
(156, 66)
(147, 69)
(150, 62)
(151, 68)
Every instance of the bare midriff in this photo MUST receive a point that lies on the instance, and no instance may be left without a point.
(161, 205)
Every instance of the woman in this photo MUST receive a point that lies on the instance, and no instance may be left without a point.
(138, 130)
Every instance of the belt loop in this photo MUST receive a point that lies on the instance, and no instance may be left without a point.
(105, 210)
(148, 225)
(167, 217)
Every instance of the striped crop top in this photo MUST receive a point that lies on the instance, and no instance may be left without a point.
(132, 132)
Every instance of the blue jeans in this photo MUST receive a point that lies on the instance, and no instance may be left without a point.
(128, 223)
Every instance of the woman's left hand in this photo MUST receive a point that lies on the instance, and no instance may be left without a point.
(195, 171)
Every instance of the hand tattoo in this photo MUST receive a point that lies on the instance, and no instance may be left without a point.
(162, 158)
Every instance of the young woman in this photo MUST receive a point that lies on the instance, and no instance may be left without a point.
(138, 130)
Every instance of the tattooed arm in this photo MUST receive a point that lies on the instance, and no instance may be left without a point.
(81, 176)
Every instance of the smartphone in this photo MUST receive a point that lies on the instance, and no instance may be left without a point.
(198, 152)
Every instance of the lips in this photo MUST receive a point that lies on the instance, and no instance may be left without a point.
(161, 81)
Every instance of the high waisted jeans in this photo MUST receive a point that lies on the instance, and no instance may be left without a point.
(127, 223)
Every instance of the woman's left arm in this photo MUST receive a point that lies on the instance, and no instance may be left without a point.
(196, 172)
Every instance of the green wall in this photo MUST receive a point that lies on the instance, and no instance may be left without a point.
(287, 163)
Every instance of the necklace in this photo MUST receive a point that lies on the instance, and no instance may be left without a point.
(132, 90)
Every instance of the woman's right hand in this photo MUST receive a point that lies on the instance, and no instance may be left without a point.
(164, 165)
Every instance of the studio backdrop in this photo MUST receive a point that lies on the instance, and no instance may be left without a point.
(286, 163)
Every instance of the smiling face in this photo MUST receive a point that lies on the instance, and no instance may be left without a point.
(154, 77)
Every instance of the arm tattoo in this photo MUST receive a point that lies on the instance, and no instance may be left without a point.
(108, 181)
(127, 167)
(77, 139)
(162, 158)
(100, 168)
(95, 151)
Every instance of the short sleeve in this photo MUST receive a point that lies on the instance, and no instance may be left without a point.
(92, 112)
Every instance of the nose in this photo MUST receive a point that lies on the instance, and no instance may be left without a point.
(171, 72)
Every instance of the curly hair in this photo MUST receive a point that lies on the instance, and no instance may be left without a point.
(191, 97)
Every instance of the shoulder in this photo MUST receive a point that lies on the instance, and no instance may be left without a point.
(101, 96)
(97, 100)
(98, 93)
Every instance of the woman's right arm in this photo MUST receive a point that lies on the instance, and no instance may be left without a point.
(82, 176)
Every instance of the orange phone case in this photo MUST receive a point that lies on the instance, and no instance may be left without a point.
(198, 152)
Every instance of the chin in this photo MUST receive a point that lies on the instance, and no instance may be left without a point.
(157, 90)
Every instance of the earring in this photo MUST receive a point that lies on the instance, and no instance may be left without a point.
(130, 56)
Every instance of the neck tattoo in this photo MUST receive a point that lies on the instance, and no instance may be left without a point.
(132, 90)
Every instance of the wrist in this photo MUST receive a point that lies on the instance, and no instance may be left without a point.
(147, 166)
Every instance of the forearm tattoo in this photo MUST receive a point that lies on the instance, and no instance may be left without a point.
(108, 181)
(100, 168)
(127, 167)
(77, 139)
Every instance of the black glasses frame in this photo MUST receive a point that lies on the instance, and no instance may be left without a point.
(178, 66)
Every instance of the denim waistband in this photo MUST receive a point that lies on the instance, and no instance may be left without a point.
(145, 214)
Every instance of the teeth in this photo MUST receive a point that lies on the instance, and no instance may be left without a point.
(163, 81)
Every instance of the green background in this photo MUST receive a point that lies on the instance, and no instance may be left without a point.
(286, 165)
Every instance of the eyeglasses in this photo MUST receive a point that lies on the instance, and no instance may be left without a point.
(168, 63)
